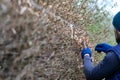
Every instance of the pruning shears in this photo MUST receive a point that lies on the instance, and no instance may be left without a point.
(84, 44)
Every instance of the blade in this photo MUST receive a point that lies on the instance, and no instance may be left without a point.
(84, 44)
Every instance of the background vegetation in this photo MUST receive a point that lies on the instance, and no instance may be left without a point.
(42, 39)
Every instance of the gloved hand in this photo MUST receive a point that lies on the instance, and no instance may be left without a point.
(86, 51)
(102, 47)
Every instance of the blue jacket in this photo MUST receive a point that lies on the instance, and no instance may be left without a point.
(108, 68)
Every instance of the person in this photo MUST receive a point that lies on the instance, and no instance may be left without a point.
(109, 67)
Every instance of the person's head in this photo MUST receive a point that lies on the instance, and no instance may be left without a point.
(116, 24)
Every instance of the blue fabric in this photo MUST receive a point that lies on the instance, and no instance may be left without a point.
(108, 68)
(116, 21)
(86, 51)
(115, 77)
(116, 50)
(102, 47)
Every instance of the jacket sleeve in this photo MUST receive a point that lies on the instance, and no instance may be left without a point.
(105, 68)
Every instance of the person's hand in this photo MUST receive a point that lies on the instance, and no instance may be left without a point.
(102, 47)
(86, 51)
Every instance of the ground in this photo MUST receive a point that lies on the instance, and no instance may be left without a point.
(41, 40)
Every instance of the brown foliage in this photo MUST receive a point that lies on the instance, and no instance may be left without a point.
(41, 41)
